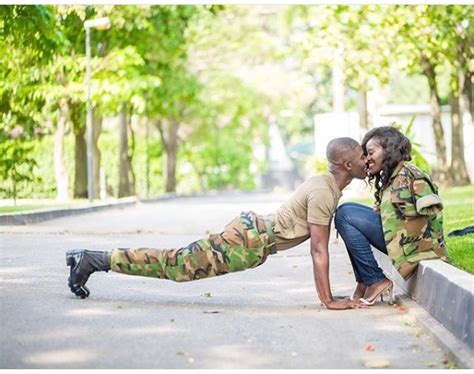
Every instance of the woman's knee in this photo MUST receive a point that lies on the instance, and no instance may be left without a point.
(342, 213)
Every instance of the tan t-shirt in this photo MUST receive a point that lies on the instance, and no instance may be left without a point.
(313, 202)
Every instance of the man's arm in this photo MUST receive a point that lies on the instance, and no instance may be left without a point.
(320, 256)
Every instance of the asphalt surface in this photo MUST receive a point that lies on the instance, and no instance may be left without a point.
(263, 318)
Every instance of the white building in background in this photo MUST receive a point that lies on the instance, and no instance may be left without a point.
(331, 125)
(328, 126)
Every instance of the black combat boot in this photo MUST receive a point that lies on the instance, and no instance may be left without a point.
(83, 263)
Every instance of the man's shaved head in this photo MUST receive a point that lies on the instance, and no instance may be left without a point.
(341, 149)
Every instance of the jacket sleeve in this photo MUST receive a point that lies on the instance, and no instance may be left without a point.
(414, 197)
(427, 201)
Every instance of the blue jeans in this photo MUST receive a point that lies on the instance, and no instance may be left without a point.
(360, 227)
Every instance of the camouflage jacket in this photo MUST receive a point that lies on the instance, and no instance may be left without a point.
(412, 219)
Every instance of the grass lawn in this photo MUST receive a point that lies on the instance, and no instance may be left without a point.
(14, 209)
(32, 205)
(459, 213)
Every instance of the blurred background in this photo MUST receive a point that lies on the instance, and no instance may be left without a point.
(100, 102)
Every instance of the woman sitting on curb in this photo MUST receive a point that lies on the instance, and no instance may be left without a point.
(406, 222)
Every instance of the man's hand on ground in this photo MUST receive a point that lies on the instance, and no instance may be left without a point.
(340, 304)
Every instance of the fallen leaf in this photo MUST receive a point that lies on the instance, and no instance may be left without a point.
(377, 364)
(185, 354)
(419, 333)
(369, 347)
(448, 364)
(402, 309)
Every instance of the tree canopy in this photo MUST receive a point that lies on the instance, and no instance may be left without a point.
(198, 85)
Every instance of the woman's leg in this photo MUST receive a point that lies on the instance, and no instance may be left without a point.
(360, 227)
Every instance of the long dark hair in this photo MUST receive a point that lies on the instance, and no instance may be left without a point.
(396, 148)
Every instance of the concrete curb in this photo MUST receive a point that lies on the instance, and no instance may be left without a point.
(446, 295)
(456, 351)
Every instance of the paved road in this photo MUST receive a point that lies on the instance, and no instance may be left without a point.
(268, 317)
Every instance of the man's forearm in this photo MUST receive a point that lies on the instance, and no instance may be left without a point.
(321, 275)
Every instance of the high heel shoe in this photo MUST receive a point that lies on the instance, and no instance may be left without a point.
(388, 290)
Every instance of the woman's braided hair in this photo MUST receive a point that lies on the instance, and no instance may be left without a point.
(396, 147)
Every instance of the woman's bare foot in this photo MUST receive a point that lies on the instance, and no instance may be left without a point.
(359, 291)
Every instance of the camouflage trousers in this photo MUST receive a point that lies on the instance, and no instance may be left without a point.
(245, 243)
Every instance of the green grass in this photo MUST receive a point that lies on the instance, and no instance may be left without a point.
(19, 208)
(29, 205)
(459, 213)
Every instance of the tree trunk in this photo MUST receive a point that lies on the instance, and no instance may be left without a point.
(131, 151)
(468, 90)
(80, 159)
(362, 110)
(60, 171)
(80, 150)
(169, 137)
(147, 166)
(458, 169)
(435, 102)
(125, 186)
(96, 130)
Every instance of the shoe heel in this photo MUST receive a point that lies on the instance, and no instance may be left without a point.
(390, 295)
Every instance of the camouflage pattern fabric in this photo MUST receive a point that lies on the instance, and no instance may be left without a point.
(412, 219)
(245, 243)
